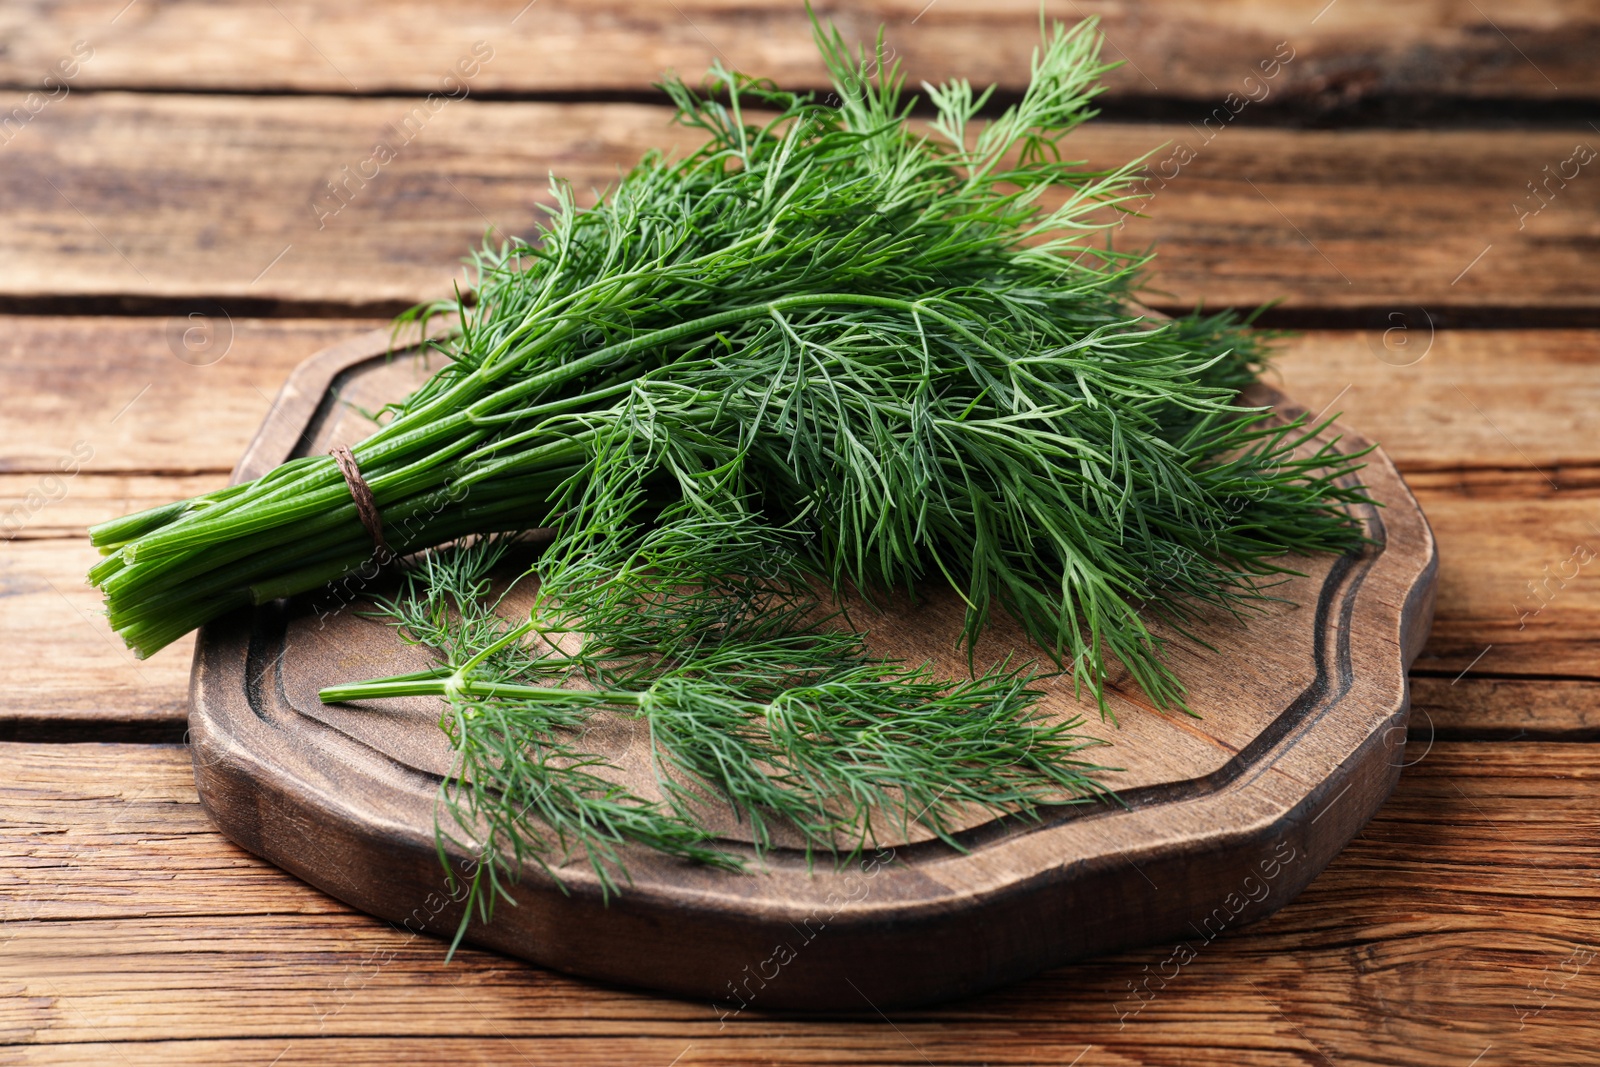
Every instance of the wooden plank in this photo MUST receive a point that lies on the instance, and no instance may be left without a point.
(1358, 49)
(1500, 400)
(113, 396)
(1461, 919)
(230, 198)
(64, 664)
(1442, 402)
(55, 505)
(1511, 709)
(1518, 575)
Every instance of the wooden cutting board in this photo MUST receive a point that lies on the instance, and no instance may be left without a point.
(1223, 818)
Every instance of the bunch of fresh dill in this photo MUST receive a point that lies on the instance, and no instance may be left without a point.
(825, 350)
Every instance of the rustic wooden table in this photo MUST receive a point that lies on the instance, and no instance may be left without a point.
(194, 199)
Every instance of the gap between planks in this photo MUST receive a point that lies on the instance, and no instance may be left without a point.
(1476, 315)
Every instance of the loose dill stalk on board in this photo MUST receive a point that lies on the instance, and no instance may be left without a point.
(825, 347)
(749, 701)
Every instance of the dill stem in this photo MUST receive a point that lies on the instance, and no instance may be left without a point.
(514, 634)
(453, 685)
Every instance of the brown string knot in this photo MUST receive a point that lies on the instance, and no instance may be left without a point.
(361, 493)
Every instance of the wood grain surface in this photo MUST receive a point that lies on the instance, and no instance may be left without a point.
(1457, 929)
(260, 204)
(1358, 49)
(1466, 889)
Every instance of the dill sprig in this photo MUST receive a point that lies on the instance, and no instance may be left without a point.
(753, 698)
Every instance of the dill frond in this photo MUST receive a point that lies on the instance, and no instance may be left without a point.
(827, 350)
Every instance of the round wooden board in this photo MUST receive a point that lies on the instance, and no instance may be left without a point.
(1223, 820)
